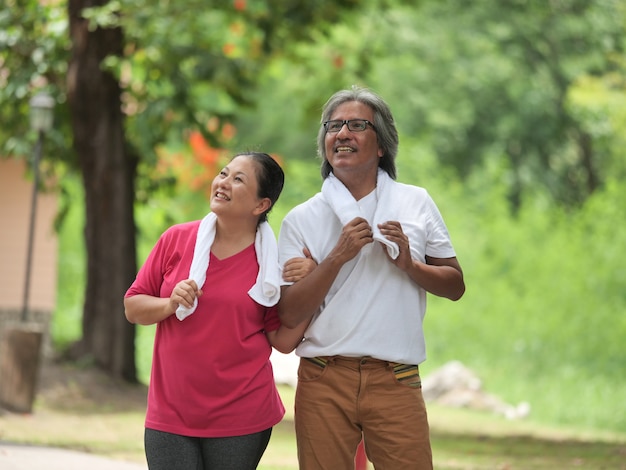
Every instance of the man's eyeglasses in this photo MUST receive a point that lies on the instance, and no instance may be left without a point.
(354, 125)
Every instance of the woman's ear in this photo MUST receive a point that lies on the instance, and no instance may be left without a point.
(263, 206)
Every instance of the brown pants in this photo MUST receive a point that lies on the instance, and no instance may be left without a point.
(340, 400)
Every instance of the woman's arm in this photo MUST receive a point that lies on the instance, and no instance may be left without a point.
(286, 339)
(146, 309)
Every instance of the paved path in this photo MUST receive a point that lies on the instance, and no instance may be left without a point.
(23, 457)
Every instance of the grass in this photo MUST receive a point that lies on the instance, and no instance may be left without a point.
(82, 409)
(465, 439)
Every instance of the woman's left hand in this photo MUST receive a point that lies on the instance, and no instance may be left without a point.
(296, 269)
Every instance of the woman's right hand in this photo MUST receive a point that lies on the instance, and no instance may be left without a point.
(184, 293)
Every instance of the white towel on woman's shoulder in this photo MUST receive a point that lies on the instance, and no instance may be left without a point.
(346, 207)
(266, 290)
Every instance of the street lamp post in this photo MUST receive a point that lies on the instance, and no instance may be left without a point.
(20, 346)
(41, 109)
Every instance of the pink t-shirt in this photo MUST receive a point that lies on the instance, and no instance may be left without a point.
(211, 374)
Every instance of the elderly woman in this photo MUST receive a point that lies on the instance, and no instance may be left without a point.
(211, 286)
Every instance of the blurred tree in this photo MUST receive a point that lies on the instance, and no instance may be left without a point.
(492, 81)
(140, 73)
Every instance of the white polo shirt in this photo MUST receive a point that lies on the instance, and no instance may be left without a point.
(373, 308)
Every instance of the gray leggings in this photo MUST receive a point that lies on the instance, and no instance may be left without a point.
(166, 451)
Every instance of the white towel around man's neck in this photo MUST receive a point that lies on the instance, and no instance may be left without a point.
(346, 207)
(266, 290)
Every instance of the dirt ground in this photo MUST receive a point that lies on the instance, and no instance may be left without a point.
(64, 386)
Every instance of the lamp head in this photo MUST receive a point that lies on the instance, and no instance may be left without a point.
(41, 106)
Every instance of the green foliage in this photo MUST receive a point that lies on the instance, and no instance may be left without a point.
(33, 57)
(190, 62)
(486, 82)
(542, 320)
(490, 81)
(599, 104)
(184, 64)
(66, 320)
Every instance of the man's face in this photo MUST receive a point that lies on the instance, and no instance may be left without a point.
(353, 151)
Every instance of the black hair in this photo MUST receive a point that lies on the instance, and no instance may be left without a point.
(270, 178)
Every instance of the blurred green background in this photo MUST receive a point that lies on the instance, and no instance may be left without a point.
(511, 113)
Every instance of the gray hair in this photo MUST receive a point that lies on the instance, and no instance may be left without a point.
(383, 122)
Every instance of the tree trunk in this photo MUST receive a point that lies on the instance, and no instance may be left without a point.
(108, 171)
(585, 142)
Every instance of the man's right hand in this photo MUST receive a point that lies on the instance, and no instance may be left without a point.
(355, 235)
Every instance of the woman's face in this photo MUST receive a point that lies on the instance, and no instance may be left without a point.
(234, 191)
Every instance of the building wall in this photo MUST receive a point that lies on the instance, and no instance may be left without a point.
(16, 187)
